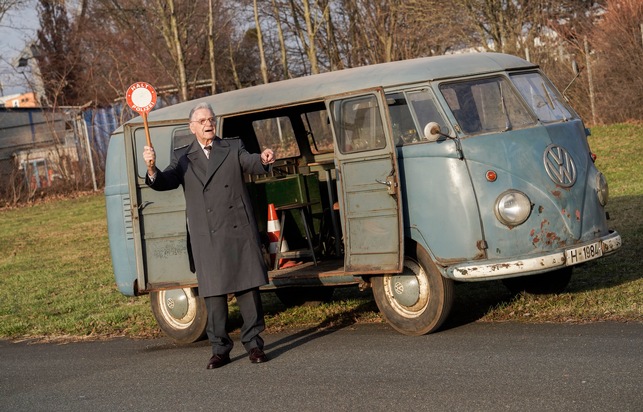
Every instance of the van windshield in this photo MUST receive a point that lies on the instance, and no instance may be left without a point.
(543, 98)
(486, 106)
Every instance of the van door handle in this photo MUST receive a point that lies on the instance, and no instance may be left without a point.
(390, 183)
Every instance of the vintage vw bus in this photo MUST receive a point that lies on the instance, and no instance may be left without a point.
(405, 176)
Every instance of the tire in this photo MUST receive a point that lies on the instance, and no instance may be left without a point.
(310, 296)
(541, 284)
(180, 314)
(416, 301)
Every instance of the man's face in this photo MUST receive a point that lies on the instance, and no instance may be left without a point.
(202, 125)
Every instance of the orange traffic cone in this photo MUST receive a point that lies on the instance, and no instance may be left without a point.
(274, 231)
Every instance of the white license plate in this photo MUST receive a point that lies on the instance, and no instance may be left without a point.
(583, 253)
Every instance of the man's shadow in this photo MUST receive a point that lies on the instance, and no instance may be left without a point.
(300, 337)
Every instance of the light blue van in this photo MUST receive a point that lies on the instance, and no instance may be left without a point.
(405, 177)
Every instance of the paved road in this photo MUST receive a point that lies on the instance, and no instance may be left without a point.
(477, 367)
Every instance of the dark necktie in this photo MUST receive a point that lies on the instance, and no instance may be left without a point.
(208, 148)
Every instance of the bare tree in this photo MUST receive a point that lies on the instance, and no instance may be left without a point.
(617, 41)
(308, 35)
(167, 31)
(166, 10)
(7, 5)
(262, 55)
(59, 57)
(282, 41)
(211, 46)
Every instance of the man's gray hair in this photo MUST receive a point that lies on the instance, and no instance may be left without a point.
(202, 106)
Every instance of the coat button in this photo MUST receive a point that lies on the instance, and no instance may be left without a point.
(229, 207)
(225, 186)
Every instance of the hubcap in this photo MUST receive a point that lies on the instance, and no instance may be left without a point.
(176, 303)
(408, 292)
(178, 307)
(406, 289)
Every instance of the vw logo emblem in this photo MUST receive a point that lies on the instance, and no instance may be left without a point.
(560, 166)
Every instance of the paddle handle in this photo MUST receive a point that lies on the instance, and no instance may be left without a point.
(147, 133)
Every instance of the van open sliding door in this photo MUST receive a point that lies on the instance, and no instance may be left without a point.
(368, 175)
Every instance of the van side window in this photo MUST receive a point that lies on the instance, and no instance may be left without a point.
(543, 98)
(426, 110)
(402, 124)
(359, 124)
(277, 133)
(486, 105)
(423, 105)
(320, 136)
(181, 137)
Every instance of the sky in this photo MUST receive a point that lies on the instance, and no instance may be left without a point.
(17, 28)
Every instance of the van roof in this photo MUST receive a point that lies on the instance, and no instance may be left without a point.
(316, 87)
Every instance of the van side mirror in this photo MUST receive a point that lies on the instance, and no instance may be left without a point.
(432, 131)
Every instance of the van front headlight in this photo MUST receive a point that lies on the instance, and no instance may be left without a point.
(602, 190)
(512, 208)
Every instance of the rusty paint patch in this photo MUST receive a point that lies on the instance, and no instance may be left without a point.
(473, 271)
(552, 238)
(545, 236)
(540, 209)
(499, 266)
(578, 215)
(556, 193)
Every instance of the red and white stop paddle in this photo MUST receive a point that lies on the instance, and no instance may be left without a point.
(141, 97)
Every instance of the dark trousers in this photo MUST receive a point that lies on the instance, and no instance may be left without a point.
(249, 302)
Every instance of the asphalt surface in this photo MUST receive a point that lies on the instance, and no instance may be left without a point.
(476, 367)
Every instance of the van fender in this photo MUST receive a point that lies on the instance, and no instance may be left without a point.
(416, 237)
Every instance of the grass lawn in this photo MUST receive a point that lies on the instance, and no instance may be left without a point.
(56, 277)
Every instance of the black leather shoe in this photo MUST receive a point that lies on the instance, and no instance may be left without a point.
(256, 355)
(217, 361)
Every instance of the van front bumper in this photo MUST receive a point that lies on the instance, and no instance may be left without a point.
(532, 265)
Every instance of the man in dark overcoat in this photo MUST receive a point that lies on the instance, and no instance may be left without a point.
(223, 233)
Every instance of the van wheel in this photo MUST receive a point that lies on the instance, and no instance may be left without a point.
(311, 296)
(416, 301)
(541, 284)
(180, 314)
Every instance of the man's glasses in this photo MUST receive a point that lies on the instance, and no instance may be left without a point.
(203, 122)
